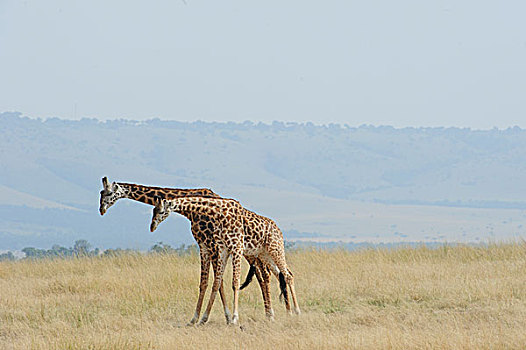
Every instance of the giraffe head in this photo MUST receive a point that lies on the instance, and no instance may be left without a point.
(160, 212)
(109, 195)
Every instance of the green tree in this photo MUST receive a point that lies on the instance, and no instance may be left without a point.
(81, 247)
(9, 256)
(33, 253)
(162, 248)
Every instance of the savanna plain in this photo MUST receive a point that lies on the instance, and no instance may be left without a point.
(452, 297)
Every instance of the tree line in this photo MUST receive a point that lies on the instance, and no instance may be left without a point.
(82, 248)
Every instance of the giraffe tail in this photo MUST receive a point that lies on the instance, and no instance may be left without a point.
(248, 279)
(283, 287)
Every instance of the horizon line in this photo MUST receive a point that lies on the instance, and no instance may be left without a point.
(287, 123)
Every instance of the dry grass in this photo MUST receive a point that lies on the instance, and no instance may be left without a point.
(453, 297)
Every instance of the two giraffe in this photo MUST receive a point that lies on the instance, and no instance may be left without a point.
(203, 229)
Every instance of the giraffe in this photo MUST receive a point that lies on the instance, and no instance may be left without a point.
(208, 249)
(237, 232)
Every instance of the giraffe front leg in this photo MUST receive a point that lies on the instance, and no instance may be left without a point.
(236, 274)
(203, 283)
(221, 262)
(228, 316)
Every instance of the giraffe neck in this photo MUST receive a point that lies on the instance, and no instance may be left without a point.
(189, 206)
(146, 194)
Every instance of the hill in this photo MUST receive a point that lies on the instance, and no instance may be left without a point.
(328, 182)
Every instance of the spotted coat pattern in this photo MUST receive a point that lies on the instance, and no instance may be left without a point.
(237, 232)
(200, 227)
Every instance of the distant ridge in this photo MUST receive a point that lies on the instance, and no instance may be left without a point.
(329, 182)
(12, 197)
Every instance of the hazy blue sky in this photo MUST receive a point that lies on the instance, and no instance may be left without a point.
(403, 63)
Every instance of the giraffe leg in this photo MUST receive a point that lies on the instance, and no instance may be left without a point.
(228, 316)
(262, 273)
(293, 294)
(203, 284)
(267, 259)
(278, 257)
(236, 275)
(221, 263)
(263, 277)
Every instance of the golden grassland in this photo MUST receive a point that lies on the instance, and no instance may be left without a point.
(452, 297)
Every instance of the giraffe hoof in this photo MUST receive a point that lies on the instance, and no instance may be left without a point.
(270, 315)
(228, 319)
(192, 322)
(234, 320)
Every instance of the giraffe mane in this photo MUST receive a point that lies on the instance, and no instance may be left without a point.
(168, 189)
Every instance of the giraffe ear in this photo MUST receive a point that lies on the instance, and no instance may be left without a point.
(157, 201)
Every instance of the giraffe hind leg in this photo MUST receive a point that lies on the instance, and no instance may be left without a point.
(263, 277)
(262, 272)
(276, 270)
(278, 257)
(293, 294)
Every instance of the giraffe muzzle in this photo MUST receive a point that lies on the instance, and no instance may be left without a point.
(153, 226)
